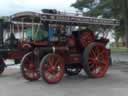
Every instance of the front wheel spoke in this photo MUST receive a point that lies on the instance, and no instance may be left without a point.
(50, 69)
(49, 76)
(50, 60)
(57, 62)
(53, 76)
(30, 74)
(57, 75)
(34, 74)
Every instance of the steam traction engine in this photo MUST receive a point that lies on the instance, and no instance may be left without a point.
(68, 45)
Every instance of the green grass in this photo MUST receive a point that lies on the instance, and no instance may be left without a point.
(119, 49)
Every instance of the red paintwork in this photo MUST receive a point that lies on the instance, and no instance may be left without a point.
(15, 55)
(18, 54)
(53, 69)
(98, 60)
(86, 38)
(72, 59)
(69, 52)
(71, 41)
(24, 46)
(40, 43)
(29, 68)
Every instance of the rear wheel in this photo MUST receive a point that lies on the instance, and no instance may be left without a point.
(28, 68)
(95, 60)
(52, 68)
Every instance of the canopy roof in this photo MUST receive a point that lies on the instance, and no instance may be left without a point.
(61, 19)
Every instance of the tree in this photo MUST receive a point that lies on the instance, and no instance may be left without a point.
(108, 9)
(81, 4)
(125, 16)
(95, 8)
(120, 10)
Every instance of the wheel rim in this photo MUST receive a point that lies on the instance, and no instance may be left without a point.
(53, 68)
(86, 38)
(98, 60)
(29, 69)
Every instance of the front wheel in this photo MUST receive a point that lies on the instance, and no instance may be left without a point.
(52, 68)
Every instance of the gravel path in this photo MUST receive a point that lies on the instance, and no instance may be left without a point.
(115, 83)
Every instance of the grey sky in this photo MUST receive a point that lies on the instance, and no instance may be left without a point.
(8, 7)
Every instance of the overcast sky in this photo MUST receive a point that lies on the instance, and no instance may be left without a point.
(8, 7)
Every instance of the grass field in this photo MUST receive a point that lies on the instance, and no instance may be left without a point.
(119, 49)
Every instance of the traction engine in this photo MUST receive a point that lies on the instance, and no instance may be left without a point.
(62, 44)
